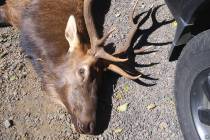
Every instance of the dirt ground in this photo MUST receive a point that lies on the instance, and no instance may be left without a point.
(28, 113)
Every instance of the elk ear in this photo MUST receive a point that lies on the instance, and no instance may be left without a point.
(71, 33)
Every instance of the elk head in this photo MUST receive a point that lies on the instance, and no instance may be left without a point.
(79, 76)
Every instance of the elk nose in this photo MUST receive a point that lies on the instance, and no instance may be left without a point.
(87, 128)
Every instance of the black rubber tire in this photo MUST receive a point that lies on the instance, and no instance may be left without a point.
(194, 59)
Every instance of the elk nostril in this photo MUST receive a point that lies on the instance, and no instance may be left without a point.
(79, 125)
(86, 128)
(82, 127)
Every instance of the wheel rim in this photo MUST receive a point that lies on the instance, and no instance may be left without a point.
(200, 104)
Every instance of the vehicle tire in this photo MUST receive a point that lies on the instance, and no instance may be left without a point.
(192, 88)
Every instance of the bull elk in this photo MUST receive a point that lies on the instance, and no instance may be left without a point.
(60, 36)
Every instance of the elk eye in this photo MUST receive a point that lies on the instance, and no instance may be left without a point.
(82, 72)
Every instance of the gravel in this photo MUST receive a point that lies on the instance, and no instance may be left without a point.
(151, 111)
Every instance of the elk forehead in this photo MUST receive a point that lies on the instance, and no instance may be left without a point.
(79, 67)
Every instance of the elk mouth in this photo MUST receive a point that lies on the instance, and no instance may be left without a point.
(82, 128)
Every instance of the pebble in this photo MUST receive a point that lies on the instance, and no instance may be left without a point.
(118, 15)
(163, 125)
(1, 80)
(8, 123)
(7, 44)
(13, 67)
(62, 116)
(143, 6)
(4, 54)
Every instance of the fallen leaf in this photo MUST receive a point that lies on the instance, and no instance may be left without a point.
(126, 88)
(174, 24)
(122, 108)
(118, 130)
(12, 78)
(118, 96)
(151, 106)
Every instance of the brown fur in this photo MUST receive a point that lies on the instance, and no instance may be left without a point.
(48, 17)
(42, 24)
(49, 22)
(12, 10)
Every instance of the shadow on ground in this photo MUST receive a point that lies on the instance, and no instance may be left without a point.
(140, 40)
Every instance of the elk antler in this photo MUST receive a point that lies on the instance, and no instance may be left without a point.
(96, 44)
(97, 49)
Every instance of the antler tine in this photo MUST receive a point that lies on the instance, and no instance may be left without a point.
(102, 54)
(105, 37)
(96, 43)
(94, 39)
(132, 13)
(131, 34)
(121, 72)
